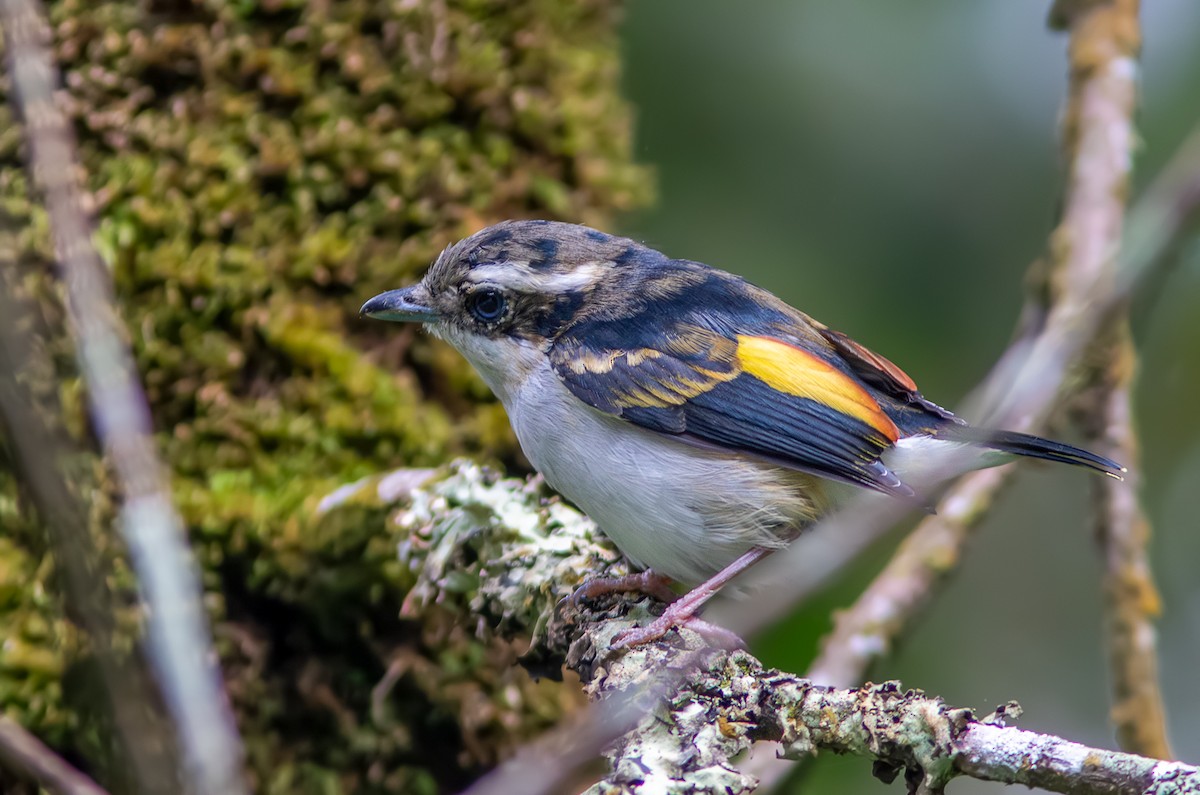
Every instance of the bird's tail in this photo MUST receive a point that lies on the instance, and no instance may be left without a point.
(1013, 443)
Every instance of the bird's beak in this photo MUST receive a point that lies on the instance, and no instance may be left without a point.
(404, 305)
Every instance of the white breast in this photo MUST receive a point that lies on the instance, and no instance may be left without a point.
(682, 511)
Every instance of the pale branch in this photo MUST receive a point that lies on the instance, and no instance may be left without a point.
(1098, 138)
(1105, 38)
(82, 571)
(181, 652)
(866, 631)
(1014, 756)
(1123, 531)
(20, 751)
(683, 712)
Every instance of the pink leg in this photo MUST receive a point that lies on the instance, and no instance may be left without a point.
(683, 611)
(647, 582)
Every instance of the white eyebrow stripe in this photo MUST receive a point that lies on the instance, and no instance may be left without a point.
(520, 277)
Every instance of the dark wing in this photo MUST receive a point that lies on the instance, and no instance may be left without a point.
(747, 393)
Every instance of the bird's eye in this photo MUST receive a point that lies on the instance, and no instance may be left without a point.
(486, 304)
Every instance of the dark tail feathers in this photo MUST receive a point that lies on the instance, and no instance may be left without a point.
(1032, 446)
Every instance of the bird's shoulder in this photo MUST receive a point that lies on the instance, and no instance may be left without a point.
(712, 359)
(704, 317)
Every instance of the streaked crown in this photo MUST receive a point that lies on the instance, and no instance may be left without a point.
(533, 278)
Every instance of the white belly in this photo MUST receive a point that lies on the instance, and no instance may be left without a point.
(679, 510)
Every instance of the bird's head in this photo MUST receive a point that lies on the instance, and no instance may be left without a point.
(503, 295)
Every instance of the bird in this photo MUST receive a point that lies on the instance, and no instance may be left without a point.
(699, 420)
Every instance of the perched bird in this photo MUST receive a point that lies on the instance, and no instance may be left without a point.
(698, 419)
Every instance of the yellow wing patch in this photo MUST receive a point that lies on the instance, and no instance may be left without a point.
(797, 372)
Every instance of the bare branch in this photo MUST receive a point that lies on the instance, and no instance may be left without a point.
(1098, 139)
(1123, 531)
(181, 652)
(83, 572)
(1099, 123)
(865, 631)
(25, 754)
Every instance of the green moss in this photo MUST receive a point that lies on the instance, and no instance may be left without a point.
(260, 168)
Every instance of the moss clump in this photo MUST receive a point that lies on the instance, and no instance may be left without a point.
(260, 167)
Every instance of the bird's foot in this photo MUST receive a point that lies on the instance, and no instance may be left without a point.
(682, 612)
(647, 582)
(677, 615)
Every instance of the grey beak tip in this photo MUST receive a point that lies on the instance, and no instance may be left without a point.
(398, 306)
(370, 306)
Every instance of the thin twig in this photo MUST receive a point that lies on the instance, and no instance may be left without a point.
(180, 648)
(1131, 599)
(1104, 43)
(25, 754)
(82, 571)
(866, 631)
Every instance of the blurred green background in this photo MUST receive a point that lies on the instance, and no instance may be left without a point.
(892, 169)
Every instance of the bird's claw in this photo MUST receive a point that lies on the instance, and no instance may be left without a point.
(671, 619)
(646, 582)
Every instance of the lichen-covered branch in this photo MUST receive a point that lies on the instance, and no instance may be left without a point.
(731, 702)
(177, 632)
(504, 554)
(931, 741)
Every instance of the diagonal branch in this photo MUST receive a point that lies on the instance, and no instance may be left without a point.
(1098, 138)
(24, 753)
(181, 652)
(1020, 393)
(82, 570)
(865, 631)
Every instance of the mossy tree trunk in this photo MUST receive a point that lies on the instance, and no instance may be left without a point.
(260, 167)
